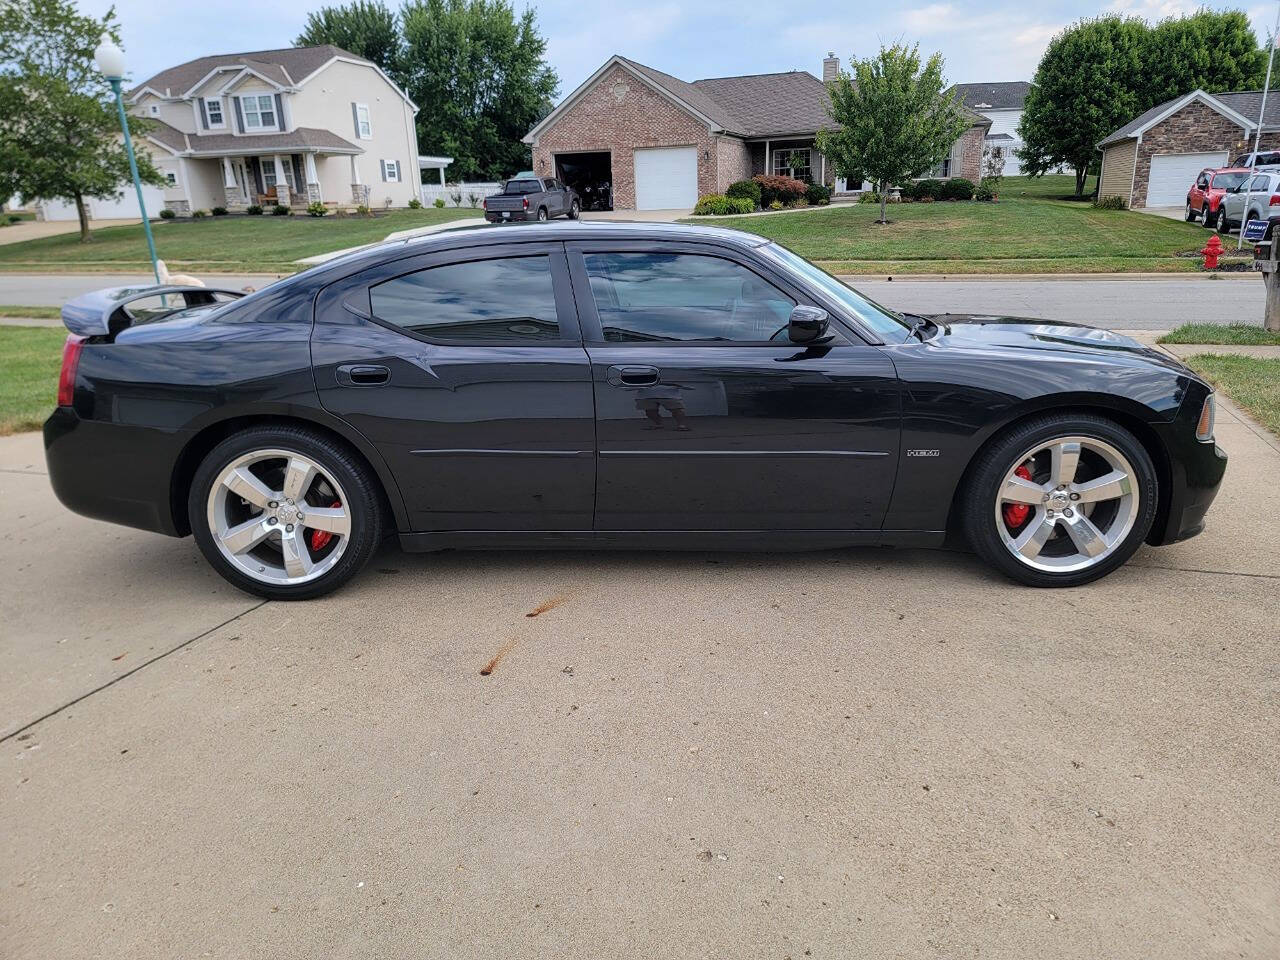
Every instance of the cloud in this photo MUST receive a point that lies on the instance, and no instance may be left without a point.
(931, 19)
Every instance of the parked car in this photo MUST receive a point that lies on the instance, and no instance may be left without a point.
(532, 198)
(1206, 193)
(622, 385)
(1264, 158)
(1256, 198)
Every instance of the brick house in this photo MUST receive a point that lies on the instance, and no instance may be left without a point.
(1153, 159)
(662, 142)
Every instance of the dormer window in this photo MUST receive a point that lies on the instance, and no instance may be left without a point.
(259, 111)
(213, 108)
(155, 109)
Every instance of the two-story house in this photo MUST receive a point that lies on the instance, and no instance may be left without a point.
(293, 126)
(1002, 104)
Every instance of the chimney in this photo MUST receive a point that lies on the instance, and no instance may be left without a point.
(830, 68)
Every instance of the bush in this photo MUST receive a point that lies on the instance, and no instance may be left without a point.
(776, 205)
(718, 204)
(363, 210)
(316, 209)
(167, 214)
(783, 190)
(985, 192)
(745, 190)
(1111, 203)
(817, 194)
(199, 214)
(957, 188)
(868, 196)
(928, 188)
(438, 203)
(219, 211)
(253, 210)
(280, 210)
(415, 204)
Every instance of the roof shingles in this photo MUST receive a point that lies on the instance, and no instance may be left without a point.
(284, 67)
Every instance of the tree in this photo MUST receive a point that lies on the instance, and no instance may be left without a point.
(366, 28)
(480, 75)
(1089, 82)
(60, 138)
(1205, 51)
(895, 120)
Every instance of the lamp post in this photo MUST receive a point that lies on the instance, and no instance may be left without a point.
(110, 61)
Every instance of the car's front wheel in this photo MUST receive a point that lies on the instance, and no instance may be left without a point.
(574, 209)
(1210, 217)
(1060, 500)
(1224, 225)
(285, 512)
(1189, 215)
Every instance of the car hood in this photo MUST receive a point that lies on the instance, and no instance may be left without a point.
(997, 332)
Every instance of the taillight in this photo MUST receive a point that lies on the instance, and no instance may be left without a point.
(70, 362)
(526, 203)
(1274, 201)
(484, 204)
(1204, 429)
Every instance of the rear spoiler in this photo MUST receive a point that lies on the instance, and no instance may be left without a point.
(103, 313)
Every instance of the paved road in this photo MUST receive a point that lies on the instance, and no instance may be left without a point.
(1130, 304)
(849, 753)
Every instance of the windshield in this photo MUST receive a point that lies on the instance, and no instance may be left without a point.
(1229, 181)
(518, 187)
(883, 321)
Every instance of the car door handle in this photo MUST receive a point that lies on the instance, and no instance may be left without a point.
(363, 375)
(631, 375)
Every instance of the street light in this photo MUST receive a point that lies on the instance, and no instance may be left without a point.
(110, 61)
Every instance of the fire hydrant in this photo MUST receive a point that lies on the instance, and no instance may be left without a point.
(1212, 251)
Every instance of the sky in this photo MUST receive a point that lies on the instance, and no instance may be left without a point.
(980, 40)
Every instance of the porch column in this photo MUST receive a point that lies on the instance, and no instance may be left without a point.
(228, 177)
(355, 170)
(768, 168)
(313, 179)
(359, 192)
(441, 169)
(282, 185)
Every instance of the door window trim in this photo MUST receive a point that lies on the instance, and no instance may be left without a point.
(593, 329)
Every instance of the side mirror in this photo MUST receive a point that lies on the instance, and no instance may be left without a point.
(806, 324)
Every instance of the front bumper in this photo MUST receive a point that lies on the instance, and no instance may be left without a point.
(1196, 468)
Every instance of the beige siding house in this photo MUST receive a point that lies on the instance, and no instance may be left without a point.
(293, 126)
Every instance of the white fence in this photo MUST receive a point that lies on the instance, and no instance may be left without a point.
(429, 192)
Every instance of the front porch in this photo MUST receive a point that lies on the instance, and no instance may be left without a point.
(291, 180)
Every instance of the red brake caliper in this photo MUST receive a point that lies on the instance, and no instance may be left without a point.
(1015, 514)
(321, 538)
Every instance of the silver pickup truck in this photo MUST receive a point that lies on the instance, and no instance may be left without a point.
(532, 198)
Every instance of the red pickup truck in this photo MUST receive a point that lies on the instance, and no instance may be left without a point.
(1205, 196)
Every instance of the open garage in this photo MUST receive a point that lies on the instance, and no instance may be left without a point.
(590, 175)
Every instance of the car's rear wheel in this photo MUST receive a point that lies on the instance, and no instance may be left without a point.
(542, 213)
(573, 210)
(1189, 215)
(1060, 500)
(285, 512)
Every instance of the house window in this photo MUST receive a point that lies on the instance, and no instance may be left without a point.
(269, 173)
(171, 178)
(391, 171)
(155, 109)
(363, 123)
(794, 163)
(259, 111)
(213, 108)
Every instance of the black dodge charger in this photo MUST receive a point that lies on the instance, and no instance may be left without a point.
(614, 385)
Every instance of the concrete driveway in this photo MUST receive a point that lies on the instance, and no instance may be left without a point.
(849, 753)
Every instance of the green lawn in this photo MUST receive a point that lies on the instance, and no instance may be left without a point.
(1236, 333)
(230, 244)
(31, 313)
(1026, 232)
(30, 358)
(1252, 382)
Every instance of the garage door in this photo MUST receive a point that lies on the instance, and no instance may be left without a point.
(1173, 174)
(666, 178)
(124, 208)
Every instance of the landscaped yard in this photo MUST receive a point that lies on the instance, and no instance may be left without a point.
(30, 358)
(1026, 232)
(1238, 334)
(233, 244)
(1252, 382)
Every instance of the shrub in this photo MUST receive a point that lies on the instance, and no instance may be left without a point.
(924, 199)
(456, 197)
(776, 205)
(473, 199)
(817, 194)
(199, 214)
(957, 188)
(219, 211)
(745, 190)
(438, 203)
(718, 204)
(13, 218)
(167, 214)
(929, 188)
(781, 189)
(253, 210)
(363, 210)
(415, 204)
(985, 192)
(280, 210)
(316, 209)
(868, 196)
(1111, 203)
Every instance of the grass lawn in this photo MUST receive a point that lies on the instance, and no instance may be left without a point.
(31, 313)
(1026, 232)
(1252, 382)
(233, 244)
(30, 358)
(1236, 333)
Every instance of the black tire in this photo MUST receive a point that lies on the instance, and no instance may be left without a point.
(542, 214)
(1210, 217)
(997, 458)
(363, 502)
(573, 210)
(1189, 215)
(1224, 225)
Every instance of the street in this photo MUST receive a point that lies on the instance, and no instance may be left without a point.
(1117, 303)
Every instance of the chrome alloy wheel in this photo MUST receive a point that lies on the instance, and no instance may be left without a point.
(278, 517)
(1067, 504)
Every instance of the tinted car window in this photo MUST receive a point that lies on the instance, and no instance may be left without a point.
(1228, 181)
(519, 187)
(672, 297)
(1259, 183)
(509, 300)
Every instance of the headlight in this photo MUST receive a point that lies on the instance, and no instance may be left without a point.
(1204, 429)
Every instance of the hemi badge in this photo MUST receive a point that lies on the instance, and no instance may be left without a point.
(924, 453)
